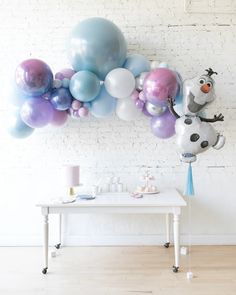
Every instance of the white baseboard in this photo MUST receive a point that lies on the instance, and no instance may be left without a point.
(124, 240)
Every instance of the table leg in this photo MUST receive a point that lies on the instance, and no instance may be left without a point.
(167, 244)
(176, 242)
(58, 246)
(46, 233)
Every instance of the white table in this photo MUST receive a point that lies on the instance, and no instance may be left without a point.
(166, 202)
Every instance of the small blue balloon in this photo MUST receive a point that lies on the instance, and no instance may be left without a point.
(16, 127)
(137, 63)
(179, 95)
(164, 65)
(84, 86)
(87, 105)
(61, 99)
(97, 45)
(15, 96)
(66, 83)
(103, 105)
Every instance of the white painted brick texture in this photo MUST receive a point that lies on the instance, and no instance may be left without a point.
(162, 31)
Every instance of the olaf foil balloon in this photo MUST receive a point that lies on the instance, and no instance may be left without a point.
(195, 134)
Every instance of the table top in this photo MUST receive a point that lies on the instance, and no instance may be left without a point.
(168, 197)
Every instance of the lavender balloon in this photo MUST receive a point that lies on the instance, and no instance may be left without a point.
(145, 112)
(33, 77)
(159, 85)
(64, 73)
(59, 118)
(37, 112)
(139, 104)
(163, 126)
(61, 99)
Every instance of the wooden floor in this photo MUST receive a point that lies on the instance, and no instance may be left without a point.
(117, 270)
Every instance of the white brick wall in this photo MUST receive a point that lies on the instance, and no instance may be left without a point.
(29, 168)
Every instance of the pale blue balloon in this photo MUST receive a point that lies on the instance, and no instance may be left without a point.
(65, 83)
(103, 105)
(137, 63)
(16, 127)
(179, 95)
(84, 86)
(87, 105)
(96, 45)
(164, 65)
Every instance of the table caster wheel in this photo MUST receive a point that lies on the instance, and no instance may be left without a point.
(44, 271)
(167, 245)
(58, 246)
(175, 268)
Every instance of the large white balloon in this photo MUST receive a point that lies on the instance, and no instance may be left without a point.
(120, 83)
(126, 110)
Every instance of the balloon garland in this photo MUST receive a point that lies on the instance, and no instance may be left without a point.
(103, 80)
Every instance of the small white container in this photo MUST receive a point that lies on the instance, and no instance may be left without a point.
(183, 250)
(113, 187)
(189, 275)
(95, 190)
(107, 187)
(119, 187)
(53, 254)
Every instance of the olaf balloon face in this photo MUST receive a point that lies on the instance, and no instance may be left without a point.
(194, 133)
(197, 93)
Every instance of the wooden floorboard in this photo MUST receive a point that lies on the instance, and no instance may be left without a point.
(117, 270)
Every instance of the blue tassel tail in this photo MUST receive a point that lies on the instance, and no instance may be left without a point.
(189, 190)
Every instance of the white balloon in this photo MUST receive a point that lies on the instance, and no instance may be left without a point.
(154, 64)
(126, 110)
(120, 83)
(139, 80)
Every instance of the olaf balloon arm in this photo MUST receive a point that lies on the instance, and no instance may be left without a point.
(216, 118)
(171, 108)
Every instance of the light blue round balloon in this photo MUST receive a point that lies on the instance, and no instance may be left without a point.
(103, 105)
(65, 83)
(87, 105)
(164, 65)
(84, 86)
(179, 95)
(97, 45)
(16, 127)
(137, 63)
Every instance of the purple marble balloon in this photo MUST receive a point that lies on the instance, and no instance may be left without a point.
(134, 95)
(139, 104)
(163, 126)
(59, 118)
(37, 112)
(142, 96)
(145, 112)
(64, 73)
(34, 77)
(159, 85)
(83, 112)
(76, 105)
